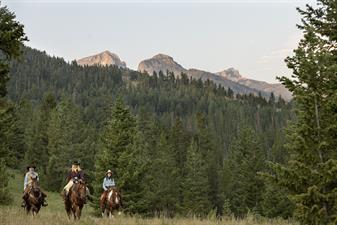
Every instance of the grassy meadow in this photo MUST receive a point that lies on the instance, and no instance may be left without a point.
(55, 214)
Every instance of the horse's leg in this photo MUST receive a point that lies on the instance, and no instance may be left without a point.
(111, 215)
(80, 211)
(102, 206)
(66, 207)
(28, 207)
(33, 209)
(102, 210)
(118, 208)
(75, 212)
(38, 209)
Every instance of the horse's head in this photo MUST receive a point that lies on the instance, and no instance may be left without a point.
(81, 188)
(35, 190)
(114, 196)
(34, 182)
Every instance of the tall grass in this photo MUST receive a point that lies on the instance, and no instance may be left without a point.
(55, 214)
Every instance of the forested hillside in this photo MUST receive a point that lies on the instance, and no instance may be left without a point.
(177, 146)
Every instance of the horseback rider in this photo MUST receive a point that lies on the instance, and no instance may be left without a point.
(31, 175)
(75, 173)
(108, 182)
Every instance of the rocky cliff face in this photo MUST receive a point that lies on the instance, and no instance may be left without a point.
(277, 89)
(230, 78)
(103, 59)
(162, 63)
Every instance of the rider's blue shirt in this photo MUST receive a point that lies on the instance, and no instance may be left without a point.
(108, 182)
(28, 178)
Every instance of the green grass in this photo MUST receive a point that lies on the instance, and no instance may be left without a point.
(55, 214)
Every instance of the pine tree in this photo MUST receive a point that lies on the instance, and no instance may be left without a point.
(179, 143)
(310, 175)
(275, 201)
(11, 41)
(11, 38)
(205, 142)
(66, 142)
(244, 185)
(116, 149)
(165, 179)
(196, 185)
(12, 134)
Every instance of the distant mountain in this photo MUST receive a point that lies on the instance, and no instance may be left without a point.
(229, 78)
(103, 58)
(162, 63)
(278, 89)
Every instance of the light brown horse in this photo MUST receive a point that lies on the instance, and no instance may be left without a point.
(33, 198)
(113, 201)
(76, 199)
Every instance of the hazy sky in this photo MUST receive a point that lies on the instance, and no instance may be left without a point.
(253, 36)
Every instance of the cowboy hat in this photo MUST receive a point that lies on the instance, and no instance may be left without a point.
(109, 171)
(31, 166)
(76, 162)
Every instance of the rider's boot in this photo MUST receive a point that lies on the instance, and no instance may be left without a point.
(44, 203)
(24, 198)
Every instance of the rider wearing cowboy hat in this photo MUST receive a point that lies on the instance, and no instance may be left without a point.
(75, 173)
(31, 175)
(108, 182)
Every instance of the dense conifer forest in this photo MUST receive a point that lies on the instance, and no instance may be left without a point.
(167, 139)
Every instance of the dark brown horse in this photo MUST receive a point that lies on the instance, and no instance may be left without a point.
(33, 198)
(76, 199)
(113, 201)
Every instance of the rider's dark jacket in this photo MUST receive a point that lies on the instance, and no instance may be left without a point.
(73, 174)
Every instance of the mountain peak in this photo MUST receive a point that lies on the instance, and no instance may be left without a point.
(103, 59)
(231, 74)
(162, 56)
(160, 62)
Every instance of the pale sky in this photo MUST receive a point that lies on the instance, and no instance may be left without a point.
(253, 36)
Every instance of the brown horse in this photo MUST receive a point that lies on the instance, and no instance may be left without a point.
(76, 199)
(113, 201)
(33, 198)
